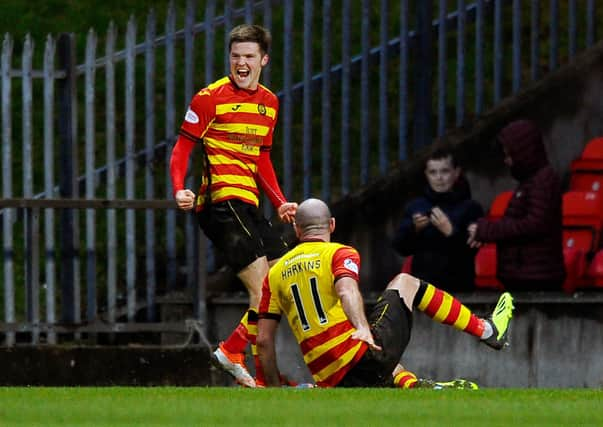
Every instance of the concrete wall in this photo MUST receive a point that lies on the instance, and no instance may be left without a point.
(104, 366)
(557, 343)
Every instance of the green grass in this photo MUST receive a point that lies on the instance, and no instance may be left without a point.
(318, 407)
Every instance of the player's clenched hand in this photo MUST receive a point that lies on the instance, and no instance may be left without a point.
(366, 336)
(286, 212)
(185, 199)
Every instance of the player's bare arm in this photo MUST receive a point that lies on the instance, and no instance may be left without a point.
(353, 306)
(267, 351)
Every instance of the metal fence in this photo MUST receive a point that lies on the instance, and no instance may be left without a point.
(89, 240)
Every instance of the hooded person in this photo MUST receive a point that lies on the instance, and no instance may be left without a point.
(529, 235)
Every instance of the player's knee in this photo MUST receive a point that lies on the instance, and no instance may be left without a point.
(401, 281)
(407, 287)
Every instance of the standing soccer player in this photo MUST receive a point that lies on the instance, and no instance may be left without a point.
(315, 285)
(233, 120)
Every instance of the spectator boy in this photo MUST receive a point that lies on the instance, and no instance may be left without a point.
(434, 226)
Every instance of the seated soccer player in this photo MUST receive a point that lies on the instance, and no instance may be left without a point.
(315, 285)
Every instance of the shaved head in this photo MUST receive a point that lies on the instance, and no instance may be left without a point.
(313, 217)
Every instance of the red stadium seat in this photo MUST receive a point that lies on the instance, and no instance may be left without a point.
(485, 259)
(595, 270)
(582, 224)
(485, 268)
(575, 261)
(586, 172)
(582, 218)
(499, 205)
(593, 149)
(586, 180)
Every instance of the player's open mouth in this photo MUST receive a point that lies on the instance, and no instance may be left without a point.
(243, 73)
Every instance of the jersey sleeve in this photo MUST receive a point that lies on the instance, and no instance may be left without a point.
(266, 176)
(346, 263)
(179, 162)
(199, 116)
(269, 308)
(267, 179)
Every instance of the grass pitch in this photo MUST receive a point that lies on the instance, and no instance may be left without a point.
(216, 406)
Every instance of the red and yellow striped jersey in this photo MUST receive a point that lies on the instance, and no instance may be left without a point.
(302, 286)
(236, 125)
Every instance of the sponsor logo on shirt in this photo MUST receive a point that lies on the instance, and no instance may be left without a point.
(350, 265)
(191, 116)
(262, 109)
(236, 107)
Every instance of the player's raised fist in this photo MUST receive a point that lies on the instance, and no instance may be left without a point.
(286, 212)
(185, 199)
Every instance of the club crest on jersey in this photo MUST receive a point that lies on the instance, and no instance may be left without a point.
(262, 109)
(350, 265)
(191, 116)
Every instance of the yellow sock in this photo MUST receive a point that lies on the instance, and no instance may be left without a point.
(405, 379)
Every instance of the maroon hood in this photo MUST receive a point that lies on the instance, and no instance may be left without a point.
(523, 141)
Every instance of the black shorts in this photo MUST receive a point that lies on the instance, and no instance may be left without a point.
(391, 323)
(241, 233)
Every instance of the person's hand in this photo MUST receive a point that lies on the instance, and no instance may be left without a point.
(420, 221)
(471, 230)
(185, 199)
(366, 336)
(441, 221)
(286, 212)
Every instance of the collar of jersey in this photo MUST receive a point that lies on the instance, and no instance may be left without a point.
(239, 88)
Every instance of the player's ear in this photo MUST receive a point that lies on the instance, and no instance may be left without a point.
(331, 225)
(265, 60)
(298, 231)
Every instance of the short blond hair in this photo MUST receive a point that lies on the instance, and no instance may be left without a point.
(251, 33)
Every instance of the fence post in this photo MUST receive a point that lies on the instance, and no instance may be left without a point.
(49, 184)
(403, 82)
(68, 175)
(32, 218)
(8, 215)
(423, 70)
(130, 152)
(89, 147)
